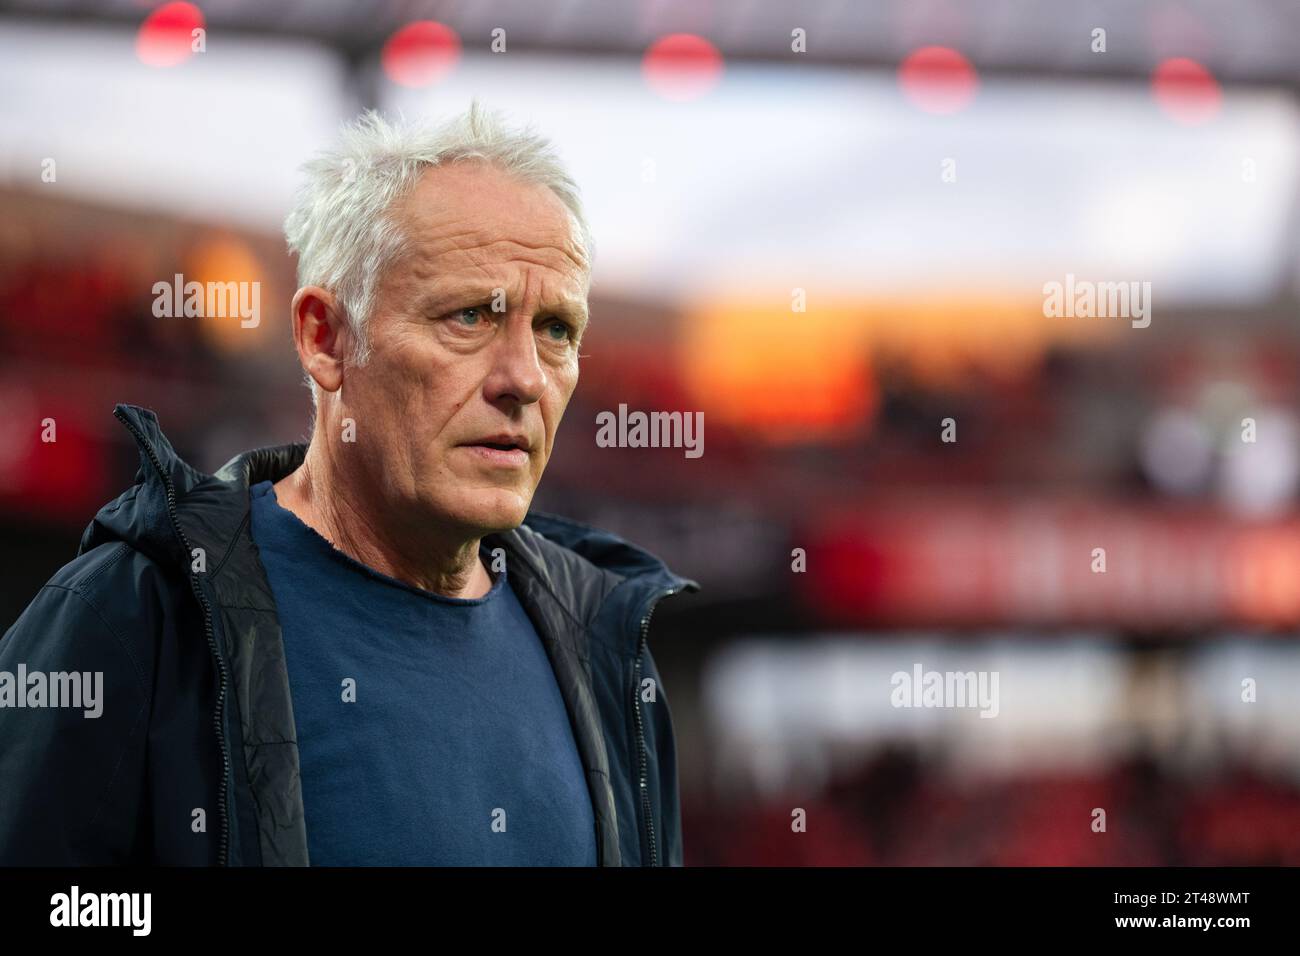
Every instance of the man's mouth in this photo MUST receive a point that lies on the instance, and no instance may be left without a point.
(504, 451)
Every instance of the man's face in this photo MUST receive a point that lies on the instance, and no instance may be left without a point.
(449, 381)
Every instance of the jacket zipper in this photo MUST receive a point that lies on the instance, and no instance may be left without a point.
(223, 852)
(648, 824)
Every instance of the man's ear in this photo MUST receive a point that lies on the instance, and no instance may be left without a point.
(321, 335)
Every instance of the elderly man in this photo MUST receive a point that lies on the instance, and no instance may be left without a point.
(366, 650)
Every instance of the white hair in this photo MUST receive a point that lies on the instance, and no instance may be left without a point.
(342, 227)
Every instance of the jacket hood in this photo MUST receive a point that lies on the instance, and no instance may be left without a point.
(173, 508)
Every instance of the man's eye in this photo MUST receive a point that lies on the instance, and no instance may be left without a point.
(469, 316)
(559, 331)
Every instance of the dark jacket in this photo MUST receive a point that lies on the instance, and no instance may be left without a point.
(194, 759)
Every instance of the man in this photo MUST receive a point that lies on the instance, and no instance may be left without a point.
(366, 650)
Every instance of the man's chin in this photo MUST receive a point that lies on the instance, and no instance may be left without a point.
(492, 511)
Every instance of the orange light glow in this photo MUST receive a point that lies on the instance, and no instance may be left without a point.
(788, 375)
(227, 259)
(808, 375)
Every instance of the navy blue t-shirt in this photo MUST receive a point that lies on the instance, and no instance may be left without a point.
(457, 750)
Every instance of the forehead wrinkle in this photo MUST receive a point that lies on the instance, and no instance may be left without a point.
(469, 251)
(551, 299)
(476, 270)
(480, 248)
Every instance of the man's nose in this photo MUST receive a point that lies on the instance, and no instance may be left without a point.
(517, 373)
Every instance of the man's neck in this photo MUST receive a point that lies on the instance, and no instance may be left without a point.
(316, 494)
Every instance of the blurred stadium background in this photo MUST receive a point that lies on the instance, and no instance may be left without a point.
(721, 174)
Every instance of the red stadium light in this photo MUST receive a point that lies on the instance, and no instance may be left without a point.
(166, 37)
(1186, 91)
(682, 66)
(420, 53)
(938, 79)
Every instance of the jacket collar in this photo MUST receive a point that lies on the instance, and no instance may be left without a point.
(576, 564)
